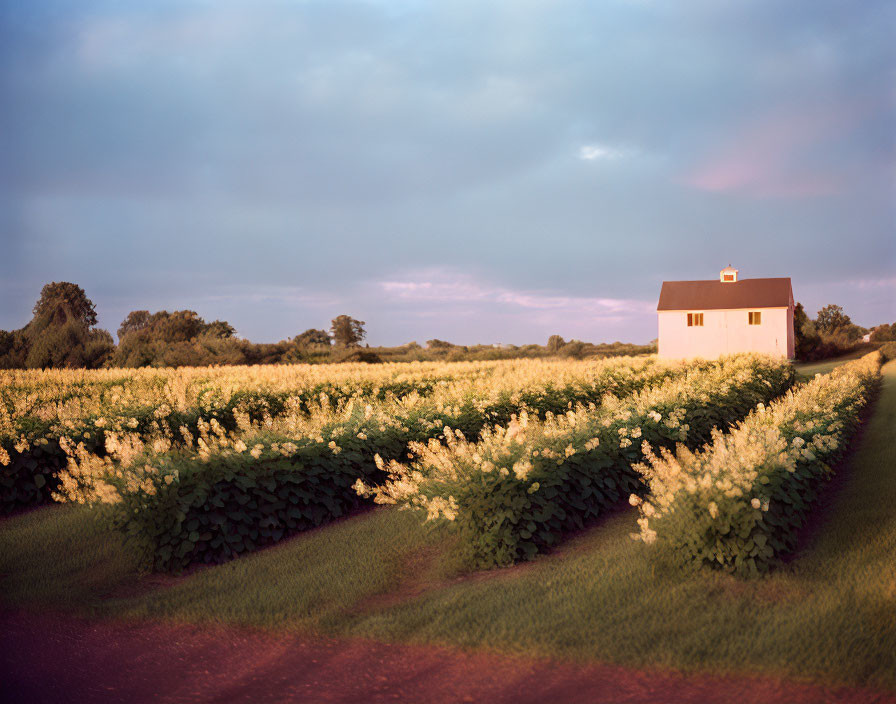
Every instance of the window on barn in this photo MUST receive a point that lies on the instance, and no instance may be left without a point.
(728, 277)
(695, 320)
(755, 317)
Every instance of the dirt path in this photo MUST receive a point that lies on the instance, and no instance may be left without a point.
(53, 658)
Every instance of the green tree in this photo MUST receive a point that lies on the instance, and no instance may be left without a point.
(62, 301)
(61, 333)
(884, 333)
(347, 332)
(555, 343)
(135, 320)
(178, 338)
(805, 335)
(831, 318)
(71, 345)
(177, 326)
(219, 329)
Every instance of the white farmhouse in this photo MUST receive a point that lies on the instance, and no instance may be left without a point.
(712, 318)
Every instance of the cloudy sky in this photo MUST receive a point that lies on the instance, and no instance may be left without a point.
(472, 171)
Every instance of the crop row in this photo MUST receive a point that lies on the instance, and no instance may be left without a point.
(34, 400)
(739, 504)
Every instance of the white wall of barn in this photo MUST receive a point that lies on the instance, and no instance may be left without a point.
(725, 332)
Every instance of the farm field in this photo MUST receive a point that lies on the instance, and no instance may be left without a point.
(826, 614)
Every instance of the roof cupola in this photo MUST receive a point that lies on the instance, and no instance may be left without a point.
(728, 275)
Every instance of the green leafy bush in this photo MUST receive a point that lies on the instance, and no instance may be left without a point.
(238, 504)
(30, 478)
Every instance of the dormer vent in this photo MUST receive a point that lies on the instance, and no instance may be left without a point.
(728, 275)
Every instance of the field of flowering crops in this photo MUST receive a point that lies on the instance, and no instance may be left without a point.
(204, 464)
(39, 408)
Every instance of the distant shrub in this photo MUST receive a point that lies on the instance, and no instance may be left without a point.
(359, 355)
(574, 349)
(555, 343)
(313, 337)
(439, 345)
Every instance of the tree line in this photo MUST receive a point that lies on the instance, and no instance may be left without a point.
(63, 333)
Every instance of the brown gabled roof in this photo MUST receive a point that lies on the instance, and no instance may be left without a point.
(716, 295)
